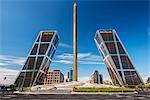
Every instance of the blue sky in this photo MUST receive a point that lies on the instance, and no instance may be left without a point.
(21, 20)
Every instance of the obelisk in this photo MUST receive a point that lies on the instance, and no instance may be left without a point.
(75, 72)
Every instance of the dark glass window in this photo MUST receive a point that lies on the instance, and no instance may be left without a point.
(126, 63)
(43, 48)
(46, 36)
(43, 65)
(111, 47)
(50, 51)
(56, 41)
(19, 80)
(27, 82)
(47, 66)
(39, 62)
(21, 75)
(112, 76)
(120, 75)
(27, 79)
(103, 50)
(53, 54)
(34, 50)
(35, 73)
(107, 36)
(116, 38)
(132, 78)
(116, 61)
(34, 76)
(29, 63)
(120, 48)
(38, 39)
(98, 39)
(28, 74)
(41, 79)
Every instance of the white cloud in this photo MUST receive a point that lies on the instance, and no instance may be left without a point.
(64, 45)
(6, 60)
(83, 58)
(64, 56)
(63, 61)
(90, 62)
(10, 75)
(3, 64)
(84, 55)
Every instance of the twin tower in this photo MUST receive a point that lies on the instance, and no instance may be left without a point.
(117, 61)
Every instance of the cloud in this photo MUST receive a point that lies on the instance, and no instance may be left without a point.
(83, 58)
(10, 75)
(64, 45)
(63, 61)
(3, 64)
(6, 60)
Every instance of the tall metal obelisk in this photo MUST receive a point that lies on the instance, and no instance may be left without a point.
(75, 72)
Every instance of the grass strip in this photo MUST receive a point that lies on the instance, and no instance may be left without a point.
(103, 90)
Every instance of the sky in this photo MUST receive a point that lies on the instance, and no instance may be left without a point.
(21, 20)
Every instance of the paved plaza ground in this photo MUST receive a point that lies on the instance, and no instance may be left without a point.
(76, 96)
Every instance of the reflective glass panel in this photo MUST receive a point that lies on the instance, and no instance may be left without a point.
(116, 61)
(43, 48)
(46, 36)
(120, 48)
(111, 47)
(39, 62)
(107, 36)
(34, 49)
(126, 63)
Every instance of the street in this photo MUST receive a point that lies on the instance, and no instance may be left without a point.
(76, 96)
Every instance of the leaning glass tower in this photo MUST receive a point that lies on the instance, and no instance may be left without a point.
(38, 60)
(119, 65)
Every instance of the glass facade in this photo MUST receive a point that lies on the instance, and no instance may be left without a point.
(34, 50)
(126, 63)
(47, 36)
(120, 48)
(116, 61)
(111, 47)
(43, 49)
(107, 36)
(132, 78)
(119, 65)
(39, 62)
(39, 59)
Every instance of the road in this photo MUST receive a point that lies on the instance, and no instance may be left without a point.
(76, 96)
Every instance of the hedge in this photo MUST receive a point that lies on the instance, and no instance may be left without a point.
(103, 90)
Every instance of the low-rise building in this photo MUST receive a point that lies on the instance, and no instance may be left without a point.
(89, 81)
(107, 82)
(54, 77)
